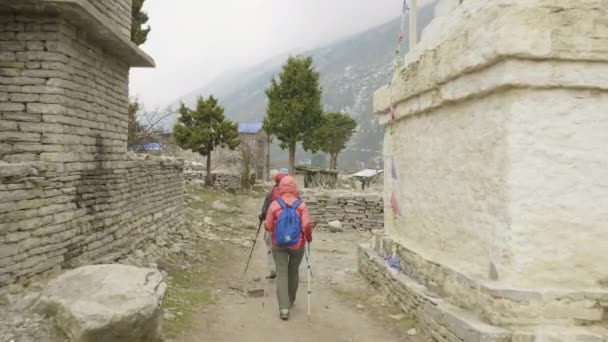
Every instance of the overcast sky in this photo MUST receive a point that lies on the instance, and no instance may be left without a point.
(194, 41)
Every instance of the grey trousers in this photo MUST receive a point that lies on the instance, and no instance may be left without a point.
(288, 267)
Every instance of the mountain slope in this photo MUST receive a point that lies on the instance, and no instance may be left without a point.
(351, 70)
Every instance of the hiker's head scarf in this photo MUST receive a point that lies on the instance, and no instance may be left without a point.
(288, 186)
(279, 177)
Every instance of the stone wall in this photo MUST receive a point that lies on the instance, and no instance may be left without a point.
(63, 98)
(363, 211)
(226, 181)
(195, 172)
(52, 216)
(117, 11)
(69, 192)
(497, 178)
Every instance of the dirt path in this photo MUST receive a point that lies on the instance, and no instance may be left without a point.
(343, 308)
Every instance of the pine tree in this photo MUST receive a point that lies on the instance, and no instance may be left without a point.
(331, 137)
(294, 105)
(204, 129)
(139, 34)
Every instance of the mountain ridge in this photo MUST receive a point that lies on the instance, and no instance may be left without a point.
(351, 69)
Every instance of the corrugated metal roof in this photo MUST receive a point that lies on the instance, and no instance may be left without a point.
(152, 147)
(253, 127)
(368, 173)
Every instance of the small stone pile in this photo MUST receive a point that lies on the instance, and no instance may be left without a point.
(363, 210)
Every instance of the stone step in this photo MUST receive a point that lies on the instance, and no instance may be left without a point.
(437, 318)
(445, 322)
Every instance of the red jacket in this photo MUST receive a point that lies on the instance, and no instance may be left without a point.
(287, 189)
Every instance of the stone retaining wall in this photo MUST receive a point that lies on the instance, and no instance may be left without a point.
(52, 216)
(226, 181)
(69, 192)
(363, 211)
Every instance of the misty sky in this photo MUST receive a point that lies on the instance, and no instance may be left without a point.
(194, 41)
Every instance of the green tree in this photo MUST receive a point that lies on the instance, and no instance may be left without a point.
(294, 106)
(139, 33)
(332, 136)
(204, 129)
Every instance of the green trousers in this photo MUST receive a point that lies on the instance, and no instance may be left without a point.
(287, 262)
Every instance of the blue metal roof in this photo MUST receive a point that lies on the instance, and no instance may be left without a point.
(152, 147)
(254, 127)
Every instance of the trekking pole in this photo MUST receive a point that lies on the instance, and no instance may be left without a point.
(309, 274)
(253, 247)
(266, 279)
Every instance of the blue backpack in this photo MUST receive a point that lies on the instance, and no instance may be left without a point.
(289, 225)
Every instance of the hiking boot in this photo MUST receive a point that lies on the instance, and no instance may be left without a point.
(284, 314)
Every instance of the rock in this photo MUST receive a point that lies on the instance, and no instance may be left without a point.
(398, 317)
(360, 307)
(208, 220)
(255, 293)
(236, 287)
(335, 227)
(412, 332)
(257, 279)
(250, 224)
(169, 316)
(106, 303)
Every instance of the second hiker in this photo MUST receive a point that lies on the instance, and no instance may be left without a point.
(272, 196)
(289, 223)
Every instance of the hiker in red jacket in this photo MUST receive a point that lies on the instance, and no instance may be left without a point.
(272, 196)
(287, 258)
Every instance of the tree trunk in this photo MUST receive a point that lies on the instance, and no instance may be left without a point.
(292, 159)
(333, 161)
(268, 160)
(209, 180)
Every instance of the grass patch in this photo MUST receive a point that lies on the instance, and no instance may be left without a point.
(186, 294)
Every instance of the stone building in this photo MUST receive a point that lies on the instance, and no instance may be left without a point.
(69, 192)
(497, 174)
(254, 137)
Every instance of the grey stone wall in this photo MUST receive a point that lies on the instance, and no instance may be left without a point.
(69, 192)
(363, 211)
(62, 98)
(52, 217)
(117, 11)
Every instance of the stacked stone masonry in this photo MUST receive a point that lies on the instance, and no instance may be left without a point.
(52, 216)
(362, 211)
(62, 99)
(226, 181)
(118, 11)
(452, 306)
(69, 192)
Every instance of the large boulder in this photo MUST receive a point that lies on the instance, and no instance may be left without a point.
(113, 303)
(335, 226)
